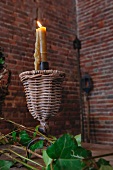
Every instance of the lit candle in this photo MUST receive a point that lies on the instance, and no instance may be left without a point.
(42, 41)
(40, 46)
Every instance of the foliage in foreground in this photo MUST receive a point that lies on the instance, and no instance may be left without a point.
(64, 153)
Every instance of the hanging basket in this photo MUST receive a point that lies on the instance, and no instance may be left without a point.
(43, 92)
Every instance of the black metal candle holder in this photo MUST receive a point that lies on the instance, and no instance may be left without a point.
(44, 66)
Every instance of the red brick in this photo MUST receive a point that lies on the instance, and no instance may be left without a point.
(95, 25)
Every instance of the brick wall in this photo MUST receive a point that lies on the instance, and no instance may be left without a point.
(95, 28)
(17, 37)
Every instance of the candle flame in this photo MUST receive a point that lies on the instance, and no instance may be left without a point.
(39, 24)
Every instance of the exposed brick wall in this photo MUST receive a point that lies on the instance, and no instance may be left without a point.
(17, 37)
(95, 26)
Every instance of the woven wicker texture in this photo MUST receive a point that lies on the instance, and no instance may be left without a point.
(43, 92)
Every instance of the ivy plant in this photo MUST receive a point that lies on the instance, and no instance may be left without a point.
(63, 153)
(2, 59)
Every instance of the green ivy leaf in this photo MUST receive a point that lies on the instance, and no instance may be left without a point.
(62, 147)
(14, 135)
(2, 61)
(78, 139)
(34, 134)
(36, 130)
(5, 165)
(106, 167)
(24, 138)
(81, 152)
(66, 164)
(67, 154)
(37, 145)
(67, 147)
(102, 161)
(46, 158)
(43, 168)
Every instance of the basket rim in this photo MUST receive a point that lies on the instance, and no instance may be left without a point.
(39, 73)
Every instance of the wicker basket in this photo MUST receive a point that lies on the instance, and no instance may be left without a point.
(43, 92)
